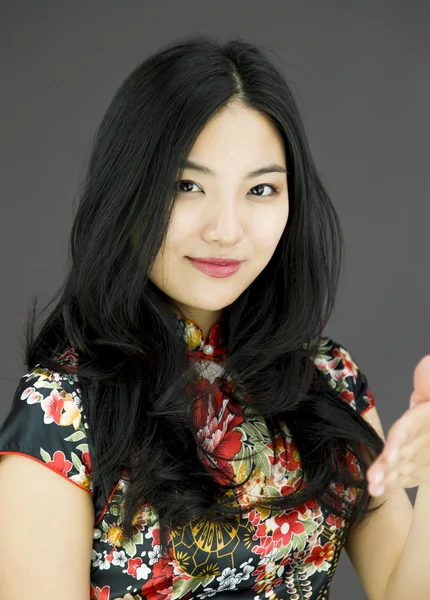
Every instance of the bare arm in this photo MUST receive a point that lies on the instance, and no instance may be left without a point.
(46, 526)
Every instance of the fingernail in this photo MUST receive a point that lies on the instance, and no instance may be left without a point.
(379, 490)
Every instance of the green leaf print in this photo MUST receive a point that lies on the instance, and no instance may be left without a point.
(260, 425)
(183, 586)
(129, 544)
(261, 459)
(114, 509)
(129, 547)
(243, 454)
(284, 550)
(83, 447)
(255, 430)
(272, 492)
(310, 526)
(324, 566)
(75, 437)
(46, 457)
(299, 540)
(53, 385)
(76, 462)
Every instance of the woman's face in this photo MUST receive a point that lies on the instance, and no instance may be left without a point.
(226, 213)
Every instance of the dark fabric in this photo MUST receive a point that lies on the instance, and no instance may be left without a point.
(283, 555)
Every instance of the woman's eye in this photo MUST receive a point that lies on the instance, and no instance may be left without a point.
(262, 185)
(182, 181)
(186, 182)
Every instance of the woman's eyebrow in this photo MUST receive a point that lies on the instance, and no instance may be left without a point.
(273, 168)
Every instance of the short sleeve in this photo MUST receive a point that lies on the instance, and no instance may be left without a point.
(46, 423)
(345, 376)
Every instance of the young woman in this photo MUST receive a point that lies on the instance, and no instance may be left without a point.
(210, 440)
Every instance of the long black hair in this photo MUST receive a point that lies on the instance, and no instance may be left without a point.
(133, 366)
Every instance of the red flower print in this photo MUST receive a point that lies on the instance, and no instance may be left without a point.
(266, 546)
(215, 424)
(133, 565)
(260, 532)
(266, 571)
(59, 463)
(310, 504)
(268, 576)
(137, 568)
(69, 356)
(293, 456)
(159, 587)
(371, 397)
(352, 464)
(87, 462)
(339, 491)
(349, 365)
(347, 395)
(319, 554)
(286, 490)
(287, 524)
(287, 455)
(333, 520)
(280, 452)
(52, 406)
(100, 594)
(339, 488)
(156, 536)
(31, 395)
(254, 517)
(269, 541)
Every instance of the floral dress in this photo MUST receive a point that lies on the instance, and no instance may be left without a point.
(290, 554)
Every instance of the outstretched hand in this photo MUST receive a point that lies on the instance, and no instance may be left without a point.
(405, 460)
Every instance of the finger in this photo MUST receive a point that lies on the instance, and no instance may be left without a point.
(410, 473)
(421, 379)
(399, 441)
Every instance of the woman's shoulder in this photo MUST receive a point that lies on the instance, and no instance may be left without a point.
(42, 377)
(46, 421)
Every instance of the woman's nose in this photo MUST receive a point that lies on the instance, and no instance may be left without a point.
(225, 223)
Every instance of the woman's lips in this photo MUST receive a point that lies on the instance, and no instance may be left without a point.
(215, 270)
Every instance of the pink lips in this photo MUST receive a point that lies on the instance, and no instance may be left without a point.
(216, 270)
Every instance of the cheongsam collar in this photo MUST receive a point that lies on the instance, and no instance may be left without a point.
(198, 347)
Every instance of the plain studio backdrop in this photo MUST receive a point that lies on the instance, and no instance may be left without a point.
(361, 75)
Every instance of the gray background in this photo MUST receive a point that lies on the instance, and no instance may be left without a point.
(361, 75)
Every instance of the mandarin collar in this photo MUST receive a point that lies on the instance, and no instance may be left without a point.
(197, 346)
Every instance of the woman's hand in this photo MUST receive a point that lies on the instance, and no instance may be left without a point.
(405, 460)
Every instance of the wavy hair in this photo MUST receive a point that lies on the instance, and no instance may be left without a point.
(133, 368)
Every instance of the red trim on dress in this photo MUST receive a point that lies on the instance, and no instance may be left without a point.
(102, 514)
(40, 461)
(99, 518)
(372, 405)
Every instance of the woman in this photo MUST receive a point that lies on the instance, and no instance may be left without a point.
(218, 443)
